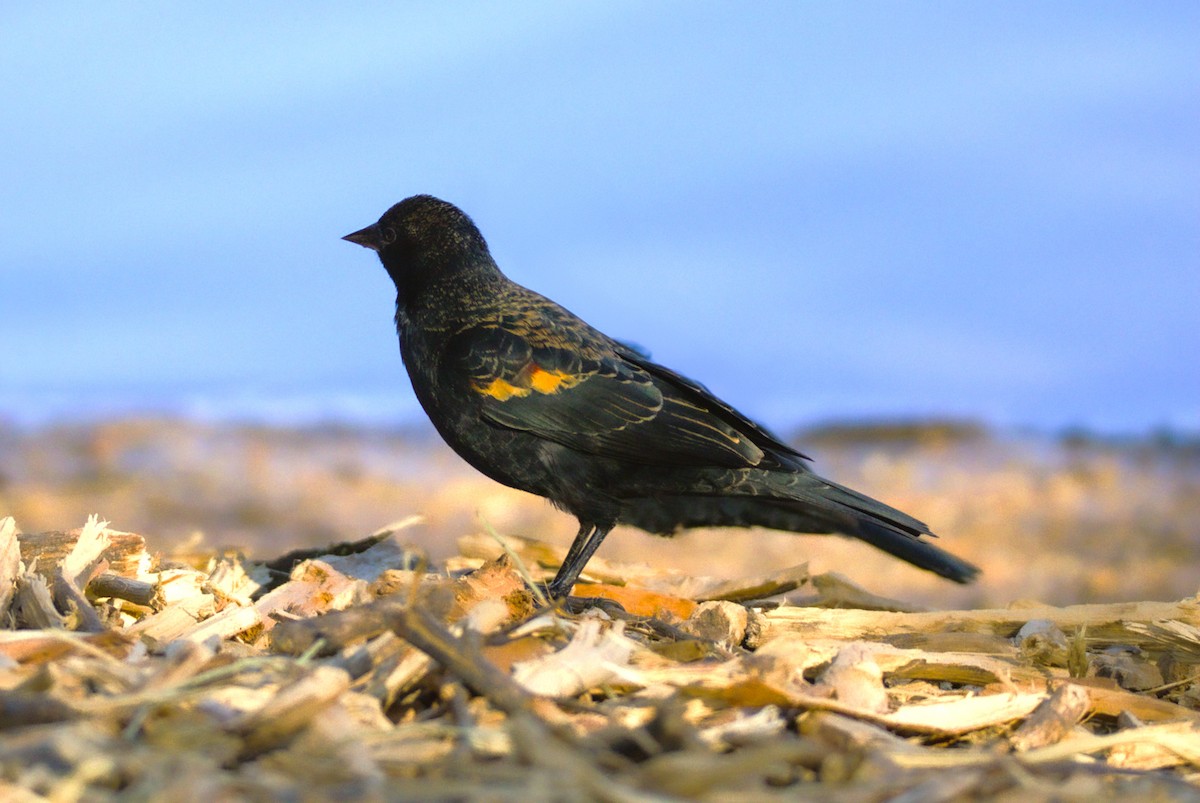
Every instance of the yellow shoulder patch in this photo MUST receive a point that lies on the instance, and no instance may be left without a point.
(550, 381)
(501, 390)
(539, 379)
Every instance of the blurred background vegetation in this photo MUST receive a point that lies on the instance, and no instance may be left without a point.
(1063, 518)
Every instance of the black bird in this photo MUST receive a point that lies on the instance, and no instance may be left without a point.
(535, 398)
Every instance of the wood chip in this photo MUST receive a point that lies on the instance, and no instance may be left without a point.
(747, 589)
(126, 552)
(226, 624)
(173, 621)
(10, 563)
(315, 587)
(1053, 719)
(594, 656)
(856, 679)
(639, 601)
(35, 604)
(719, 621)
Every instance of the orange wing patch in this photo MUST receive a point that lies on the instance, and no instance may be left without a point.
(538, 379)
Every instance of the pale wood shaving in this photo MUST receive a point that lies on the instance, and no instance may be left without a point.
(80, 563)
(956, 717)
(226, 624)
(35, 604)
(10, 563)
(856, 679)
(172, 622)
(594, 656)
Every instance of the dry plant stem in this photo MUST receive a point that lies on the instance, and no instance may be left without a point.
(85, 558)
(1104, 623)
(538, 743)
(338, 628)
(393, 667)
(188, 688)
(67, 595)
(657, 626)
(742, 590)
(1184, 638)
(115, 586)
(1113, 702)
(1180, 738)
(428, 635)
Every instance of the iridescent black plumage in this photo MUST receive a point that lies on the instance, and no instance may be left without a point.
(537, 399)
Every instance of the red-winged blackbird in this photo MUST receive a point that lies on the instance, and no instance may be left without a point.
(535, 398)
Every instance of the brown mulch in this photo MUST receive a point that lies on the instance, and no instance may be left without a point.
(359, 672)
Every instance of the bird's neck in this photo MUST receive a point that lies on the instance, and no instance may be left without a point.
(449, 286)
(416, 276)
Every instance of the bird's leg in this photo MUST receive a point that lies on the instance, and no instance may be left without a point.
(576, 548)
(586, 542)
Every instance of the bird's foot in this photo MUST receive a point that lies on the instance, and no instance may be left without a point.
(581, 604)
(558, 595)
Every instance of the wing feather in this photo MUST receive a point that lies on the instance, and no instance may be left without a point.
(585, 395)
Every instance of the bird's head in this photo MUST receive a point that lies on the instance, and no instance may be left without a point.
(422, 238)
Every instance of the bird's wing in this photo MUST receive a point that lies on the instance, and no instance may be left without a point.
(574, 389)
(703, 397)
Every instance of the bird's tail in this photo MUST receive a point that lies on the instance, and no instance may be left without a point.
(803, 503)
(852, 513)
(916, 551)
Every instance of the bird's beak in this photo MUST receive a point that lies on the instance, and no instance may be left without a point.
(367, 238)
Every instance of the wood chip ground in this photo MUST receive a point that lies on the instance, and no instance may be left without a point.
(360, 673)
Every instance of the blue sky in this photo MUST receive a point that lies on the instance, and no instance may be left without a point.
(821, 210)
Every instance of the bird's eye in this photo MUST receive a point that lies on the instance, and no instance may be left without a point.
(387, 235)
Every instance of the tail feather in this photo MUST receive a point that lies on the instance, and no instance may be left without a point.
(825, 495)
(915, 551)
(880, 525)
(802, 503)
